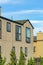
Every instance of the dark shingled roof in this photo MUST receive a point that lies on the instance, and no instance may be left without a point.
(21, 22)
(35, 39)
(24, 21)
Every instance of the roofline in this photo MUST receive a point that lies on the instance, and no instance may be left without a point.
(9, 20)
(16, 21)
(29, 22)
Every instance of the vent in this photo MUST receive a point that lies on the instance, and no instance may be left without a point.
(0, 10)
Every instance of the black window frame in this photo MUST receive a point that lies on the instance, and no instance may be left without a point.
(26, 51)
(13, 48)
(18, 34)
(28, 37)
(0, 29)
(21, 48)
(34, 49)
(7, 27)
(0, 49)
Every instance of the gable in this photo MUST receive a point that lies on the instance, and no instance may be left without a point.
(21, 22)
(24, 21)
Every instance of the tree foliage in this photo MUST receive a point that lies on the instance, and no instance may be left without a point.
(2, 61)
(41, 61)
(31, 62)
(22, 58)
(13, 60)
(21, 61)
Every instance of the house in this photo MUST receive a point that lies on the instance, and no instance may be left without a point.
(17, 35)
(38, 46)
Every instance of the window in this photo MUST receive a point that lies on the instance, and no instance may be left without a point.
(0, 29)
(0, 24)
(8, 27)
(34, 49)
(26, 51)
(13, 48)
(37, 60)
(14, 55)
(28, 35)
(18, 33)
(21, 48)
(0, 49)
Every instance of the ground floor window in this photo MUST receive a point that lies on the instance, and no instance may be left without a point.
(0, 49)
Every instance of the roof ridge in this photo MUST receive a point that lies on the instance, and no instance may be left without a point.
(21, 23)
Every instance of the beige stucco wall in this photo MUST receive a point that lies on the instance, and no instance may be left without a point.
(35, 53)
(8, 40)
(39, 45)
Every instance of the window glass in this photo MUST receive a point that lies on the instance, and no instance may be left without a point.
(0, 49)
(18, 33)
(8, 27)
(0, 29)
(0, 24)
(18, 29)
(26, 51)
(21, 48)
(34, 49)
(28, 33)
(13, 48)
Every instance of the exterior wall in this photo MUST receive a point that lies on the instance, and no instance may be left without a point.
(8, 40)
(39, 45)
(35, 53)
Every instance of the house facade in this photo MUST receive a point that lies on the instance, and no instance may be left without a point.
(38, 45)
(17, 35)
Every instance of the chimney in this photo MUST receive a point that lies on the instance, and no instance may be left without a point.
(0, 10)
(40, 31)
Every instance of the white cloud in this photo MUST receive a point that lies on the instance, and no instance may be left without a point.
(4, 1)
(24, 12)
(19, 12)
(38, 29)
(36, 21)
(38, 26)
(9, 1)
(38, 11)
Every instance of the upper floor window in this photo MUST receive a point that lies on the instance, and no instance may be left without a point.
(26, 51)
(34, 49)
(0, 29)
(18, 33)
(28, 33)
(0, 24)
(8, 27)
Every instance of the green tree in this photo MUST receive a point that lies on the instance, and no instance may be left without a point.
(41, 61)
(34, 62)
(2, 61)
(13, 60)
(31, 62)
(22, 58)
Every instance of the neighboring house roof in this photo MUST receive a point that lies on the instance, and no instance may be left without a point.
(35, 38)
(21, 22)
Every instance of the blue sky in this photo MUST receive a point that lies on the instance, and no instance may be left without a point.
(24, 9)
